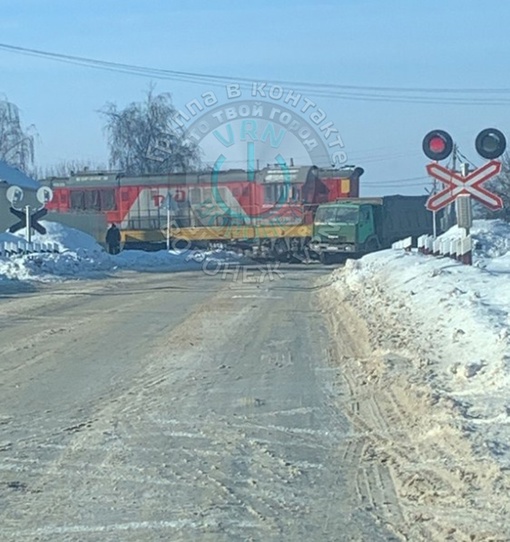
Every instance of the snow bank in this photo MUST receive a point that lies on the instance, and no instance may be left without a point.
(68, 239)
(458, 316)
(82, 257)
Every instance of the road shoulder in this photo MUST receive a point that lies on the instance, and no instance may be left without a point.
(408, 433)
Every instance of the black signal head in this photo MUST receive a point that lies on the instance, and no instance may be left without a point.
(490, 143)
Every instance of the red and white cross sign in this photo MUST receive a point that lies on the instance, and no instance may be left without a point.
(456, 184)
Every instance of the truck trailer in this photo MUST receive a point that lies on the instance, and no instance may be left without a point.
(353, 227)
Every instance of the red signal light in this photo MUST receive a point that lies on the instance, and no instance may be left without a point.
(437, 145)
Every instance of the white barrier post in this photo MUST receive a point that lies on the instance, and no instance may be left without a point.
(421, 243)
(466, 256)
(446, 247)
(458, 248)
(429, 245)
(436, 246)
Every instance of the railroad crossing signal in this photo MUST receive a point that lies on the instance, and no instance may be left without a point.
(490, 143)
(44, 194)
(438, 145)
(22, 215)
(14, 195)
(456, 185)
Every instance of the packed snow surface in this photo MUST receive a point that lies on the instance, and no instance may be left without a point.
(462, 312)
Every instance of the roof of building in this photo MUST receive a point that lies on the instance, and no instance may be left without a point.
(13, 176)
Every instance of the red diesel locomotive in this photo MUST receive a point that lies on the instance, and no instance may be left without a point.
(229, 207)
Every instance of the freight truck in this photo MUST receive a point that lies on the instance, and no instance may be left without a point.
(353, 227)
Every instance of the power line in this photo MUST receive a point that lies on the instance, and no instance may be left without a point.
(326, 90)
(398, 182)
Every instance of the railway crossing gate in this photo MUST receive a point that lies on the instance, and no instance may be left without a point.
(27, 219)
(438, 145)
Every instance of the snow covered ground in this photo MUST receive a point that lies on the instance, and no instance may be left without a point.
(81, 257)
(457, 319)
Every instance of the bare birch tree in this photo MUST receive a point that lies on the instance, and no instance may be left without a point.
(143, 140)
(500, 186)
(16, 142)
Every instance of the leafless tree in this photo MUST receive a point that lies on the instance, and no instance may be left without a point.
(16, 142)
(500, 186)
(142, 138)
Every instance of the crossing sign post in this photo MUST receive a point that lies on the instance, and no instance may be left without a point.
(457, 185)
(27, 220)
(438, 145)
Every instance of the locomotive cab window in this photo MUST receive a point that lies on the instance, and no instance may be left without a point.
(268, 193)
(77, 200)
(108, 200)
(93, 200)
(194, 195)
(276, 193)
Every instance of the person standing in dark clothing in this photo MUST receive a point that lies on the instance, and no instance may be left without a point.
(113, 239)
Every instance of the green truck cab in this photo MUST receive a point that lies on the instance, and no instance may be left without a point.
(354, 227)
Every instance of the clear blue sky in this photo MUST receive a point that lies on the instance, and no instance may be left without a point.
(456, 43)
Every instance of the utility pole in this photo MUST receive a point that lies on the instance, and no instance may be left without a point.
(468, 206)
(434, 214)
(451, 208)
(454, 157)
(168, 228)
(29, 225)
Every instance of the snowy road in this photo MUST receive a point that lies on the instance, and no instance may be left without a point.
(175, 407)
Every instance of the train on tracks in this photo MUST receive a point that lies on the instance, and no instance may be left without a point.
(269, 211)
